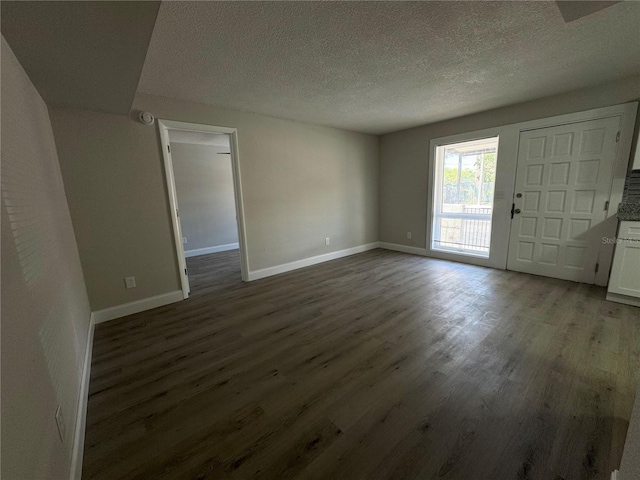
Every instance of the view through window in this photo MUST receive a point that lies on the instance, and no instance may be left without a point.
(463, 197)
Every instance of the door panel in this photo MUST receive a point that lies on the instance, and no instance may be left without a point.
(563, 181)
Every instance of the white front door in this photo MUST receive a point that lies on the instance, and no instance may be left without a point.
(563, 182)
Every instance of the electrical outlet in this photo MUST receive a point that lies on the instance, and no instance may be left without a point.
(184, 240)
(130, 282)
(327, 241)
(409, 235)
(60, 424)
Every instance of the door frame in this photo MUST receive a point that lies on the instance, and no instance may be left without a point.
(509, 138)
(163, 128)
(494, 259)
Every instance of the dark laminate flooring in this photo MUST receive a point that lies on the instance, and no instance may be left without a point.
(381, 365)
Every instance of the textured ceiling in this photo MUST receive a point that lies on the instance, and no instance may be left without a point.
(199, 138)
(378, 67)
(81, 54)
(574, 9)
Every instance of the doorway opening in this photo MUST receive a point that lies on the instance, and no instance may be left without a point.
(465, 177)
(203, 180)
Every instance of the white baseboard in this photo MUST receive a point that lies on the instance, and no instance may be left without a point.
(205, 251)
(306, 262)
(626, 299)
(81, 413)
(137, 306)
(403, 248)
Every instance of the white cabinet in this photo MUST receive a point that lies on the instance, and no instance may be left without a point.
(624, 282)
(636, 158)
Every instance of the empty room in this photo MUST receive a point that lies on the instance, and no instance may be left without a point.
(320, 240)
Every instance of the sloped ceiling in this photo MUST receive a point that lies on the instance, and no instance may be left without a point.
(86, 54)
(378, 67)
(574, 9)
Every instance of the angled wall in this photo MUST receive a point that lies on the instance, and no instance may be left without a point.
(45, 310)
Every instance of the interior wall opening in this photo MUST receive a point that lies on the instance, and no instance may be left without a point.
(204, 186)
(203, 175)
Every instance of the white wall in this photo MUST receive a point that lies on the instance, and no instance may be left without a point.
(45, 310)
(117, 197)
(301, 182)
(204, 185)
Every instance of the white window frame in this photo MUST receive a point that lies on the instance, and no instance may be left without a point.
(438, 193)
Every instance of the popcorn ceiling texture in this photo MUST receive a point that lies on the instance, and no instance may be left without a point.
(378, 67)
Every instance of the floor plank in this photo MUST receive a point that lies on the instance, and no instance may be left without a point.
(381, 365)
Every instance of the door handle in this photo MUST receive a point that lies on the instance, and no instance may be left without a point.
(514, 210)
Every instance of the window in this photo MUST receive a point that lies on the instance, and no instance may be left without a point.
(465, 177)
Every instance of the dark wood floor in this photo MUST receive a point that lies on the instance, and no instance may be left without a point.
(377, 366)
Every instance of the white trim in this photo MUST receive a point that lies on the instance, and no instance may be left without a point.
(575, 117)
(452, 257)
(451, 254)
(163, 127)
(306, 262)
(239, 198)
(505, 180)
(137, 306)
(626, 299)
(403, 248)
(195, 127)
(636, 159)
(173, 203)
(205, 251)
(463, 258)
(81, 412)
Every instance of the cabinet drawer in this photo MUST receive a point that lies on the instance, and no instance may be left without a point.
(629, 230)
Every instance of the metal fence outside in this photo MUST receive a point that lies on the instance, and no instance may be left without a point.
(467, 230)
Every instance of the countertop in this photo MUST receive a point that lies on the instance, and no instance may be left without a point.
(629, 211)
